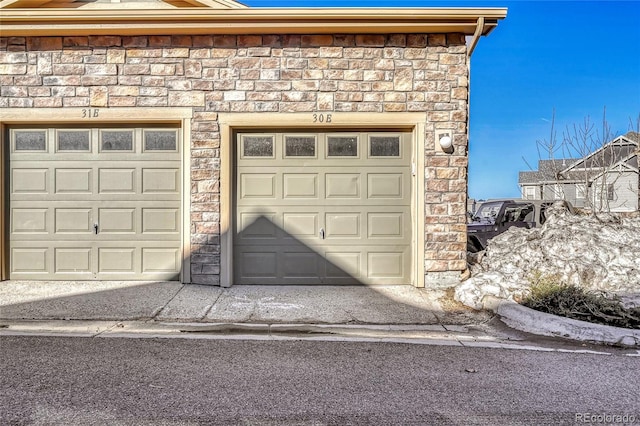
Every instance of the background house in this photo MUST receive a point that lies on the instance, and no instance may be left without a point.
(604, 180)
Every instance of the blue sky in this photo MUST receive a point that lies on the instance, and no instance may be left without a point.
(574, 57)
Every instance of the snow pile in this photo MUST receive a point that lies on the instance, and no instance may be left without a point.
(598, 253)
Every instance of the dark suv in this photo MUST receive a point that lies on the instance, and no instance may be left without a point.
(495, 217)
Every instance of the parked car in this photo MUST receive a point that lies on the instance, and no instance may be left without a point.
(495, 217)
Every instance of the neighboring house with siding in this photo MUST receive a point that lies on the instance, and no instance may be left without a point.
(206, 141)
(604, 180)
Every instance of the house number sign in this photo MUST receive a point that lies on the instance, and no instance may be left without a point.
(321, 118)
(90, 113)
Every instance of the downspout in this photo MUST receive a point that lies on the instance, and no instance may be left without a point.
(476, 36)
(470, 48)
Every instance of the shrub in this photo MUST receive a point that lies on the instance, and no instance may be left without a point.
(548, 293)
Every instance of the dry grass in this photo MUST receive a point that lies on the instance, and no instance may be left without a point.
(456, 313)
(448, 303)
(549, 294)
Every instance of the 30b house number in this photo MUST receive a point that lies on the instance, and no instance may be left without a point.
(322, 118)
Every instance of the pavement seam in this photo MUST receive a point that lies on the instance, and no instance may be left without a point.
(158, 311)
(210, 307)
(438, 305)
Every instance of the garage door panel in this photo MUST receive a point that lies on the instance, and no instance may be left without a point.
(385, 185)
(117, 220)
(160, 221)
(30, 181)
(257, 226)
(299, 185)
(297, 264)
(387, 225)
(389, 264)
(73, 181)
(121, 181)
(258, 185)
(258, 264)
(301, 225)
(117, 259)
(343, 264)
(73, 220)
(343, 225)
(73, 260)
(342, 185)
(30, 260)
(159, 259)
(29, 220)
(161, 180)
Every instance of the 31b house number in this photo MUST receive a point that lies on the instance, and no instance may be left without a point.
(322, 118)
(90, 112)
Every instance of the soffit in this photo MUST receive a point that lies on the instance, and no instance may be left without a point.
(43, 21)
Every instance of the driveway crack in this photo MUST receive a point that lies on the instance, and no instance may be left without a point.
(155, 314)
(210, 307)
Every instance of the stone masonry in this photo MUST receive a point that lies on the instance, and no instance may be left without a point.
(263, 73)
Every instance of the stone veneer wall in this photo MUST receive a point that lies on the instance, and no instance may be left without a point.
(268, 73)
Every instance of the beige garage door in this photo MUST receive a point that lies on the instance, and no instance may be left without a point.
(94, 203)
(331, 208)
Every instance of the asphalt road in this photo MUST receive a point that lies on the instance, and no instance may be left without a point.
(112, 381)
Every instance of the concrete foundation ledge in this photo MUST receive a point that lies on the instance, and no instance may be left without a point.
(536, 322)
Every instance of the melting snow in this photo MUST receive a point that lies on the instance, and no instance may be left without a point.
(598, 253)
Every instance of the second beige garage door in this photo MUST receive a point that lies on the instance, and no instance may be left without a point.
(323, 208)
(94, 203)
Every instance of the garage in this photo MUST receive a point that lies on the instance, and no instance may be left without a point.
(311, 147)
(94, 203)
(323, 208)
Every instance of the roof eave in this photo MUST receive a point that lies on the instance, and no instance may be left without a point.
(59, 22)
(621, 138)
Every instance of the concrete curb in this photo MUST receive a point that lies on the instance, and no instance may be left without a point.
(540, 323)
(449, 335)
(90, 328)
(434, 335)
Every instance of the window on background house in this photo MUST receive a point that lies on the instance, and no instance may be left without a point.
(529, 193)
(557, 192)
(605, 193)
(581, 191)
